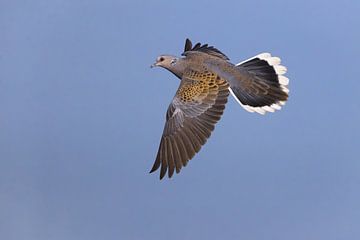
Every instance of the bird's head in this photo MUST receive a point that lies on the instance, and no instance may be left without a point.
(165, 61)
(171, 63)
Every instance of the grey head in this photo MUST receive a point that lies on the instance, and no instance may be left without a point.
(174, 64)
(199, 53)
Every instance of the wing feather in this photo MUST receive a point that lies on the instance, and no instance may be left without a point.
(205, 48)
(189, 123)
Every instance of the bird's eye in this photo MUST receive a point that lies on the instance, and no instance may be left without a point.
(173, 61)
(161, 59)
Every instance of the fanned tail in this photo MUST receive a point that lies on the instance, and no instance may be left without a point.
(268, 89)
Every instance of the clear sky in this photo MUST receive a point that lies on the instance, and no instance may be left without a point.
(81, 115)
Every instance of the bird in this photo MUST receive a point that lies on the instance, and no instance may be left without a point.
(207, 78)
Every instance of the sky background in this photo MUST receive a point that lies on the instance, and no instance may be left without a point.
(81, 116)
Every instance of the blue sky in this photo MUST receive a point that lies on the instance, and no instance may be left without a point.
(81, 115)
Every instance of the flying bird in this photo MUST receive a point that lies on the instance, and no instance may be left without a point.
(207, 78)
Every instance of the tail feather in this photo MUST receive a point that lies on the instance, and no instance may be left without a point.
(266, 89)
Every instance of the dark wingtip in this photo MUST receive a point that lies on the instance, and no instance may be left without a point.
(154, 168)
(163, 172)
(203, 48)
(170, 173)
(188, 45)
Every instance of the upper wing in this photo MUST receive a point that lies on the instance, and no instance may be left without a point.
(197, 106)
(205, 48)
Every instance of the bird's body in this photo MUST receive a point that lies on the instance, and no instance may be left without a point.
(207, 78)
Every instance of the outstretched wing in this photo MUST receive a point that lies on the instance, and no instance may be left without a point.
(191, 117)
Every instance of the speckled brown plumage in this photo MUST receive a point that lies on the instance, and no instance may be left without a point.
(197, 106)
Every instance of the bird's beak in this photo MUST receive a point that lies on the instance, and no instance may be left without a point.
(153, 65)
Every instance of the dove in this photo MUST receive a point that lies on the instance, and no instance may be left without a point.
(207, 78)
